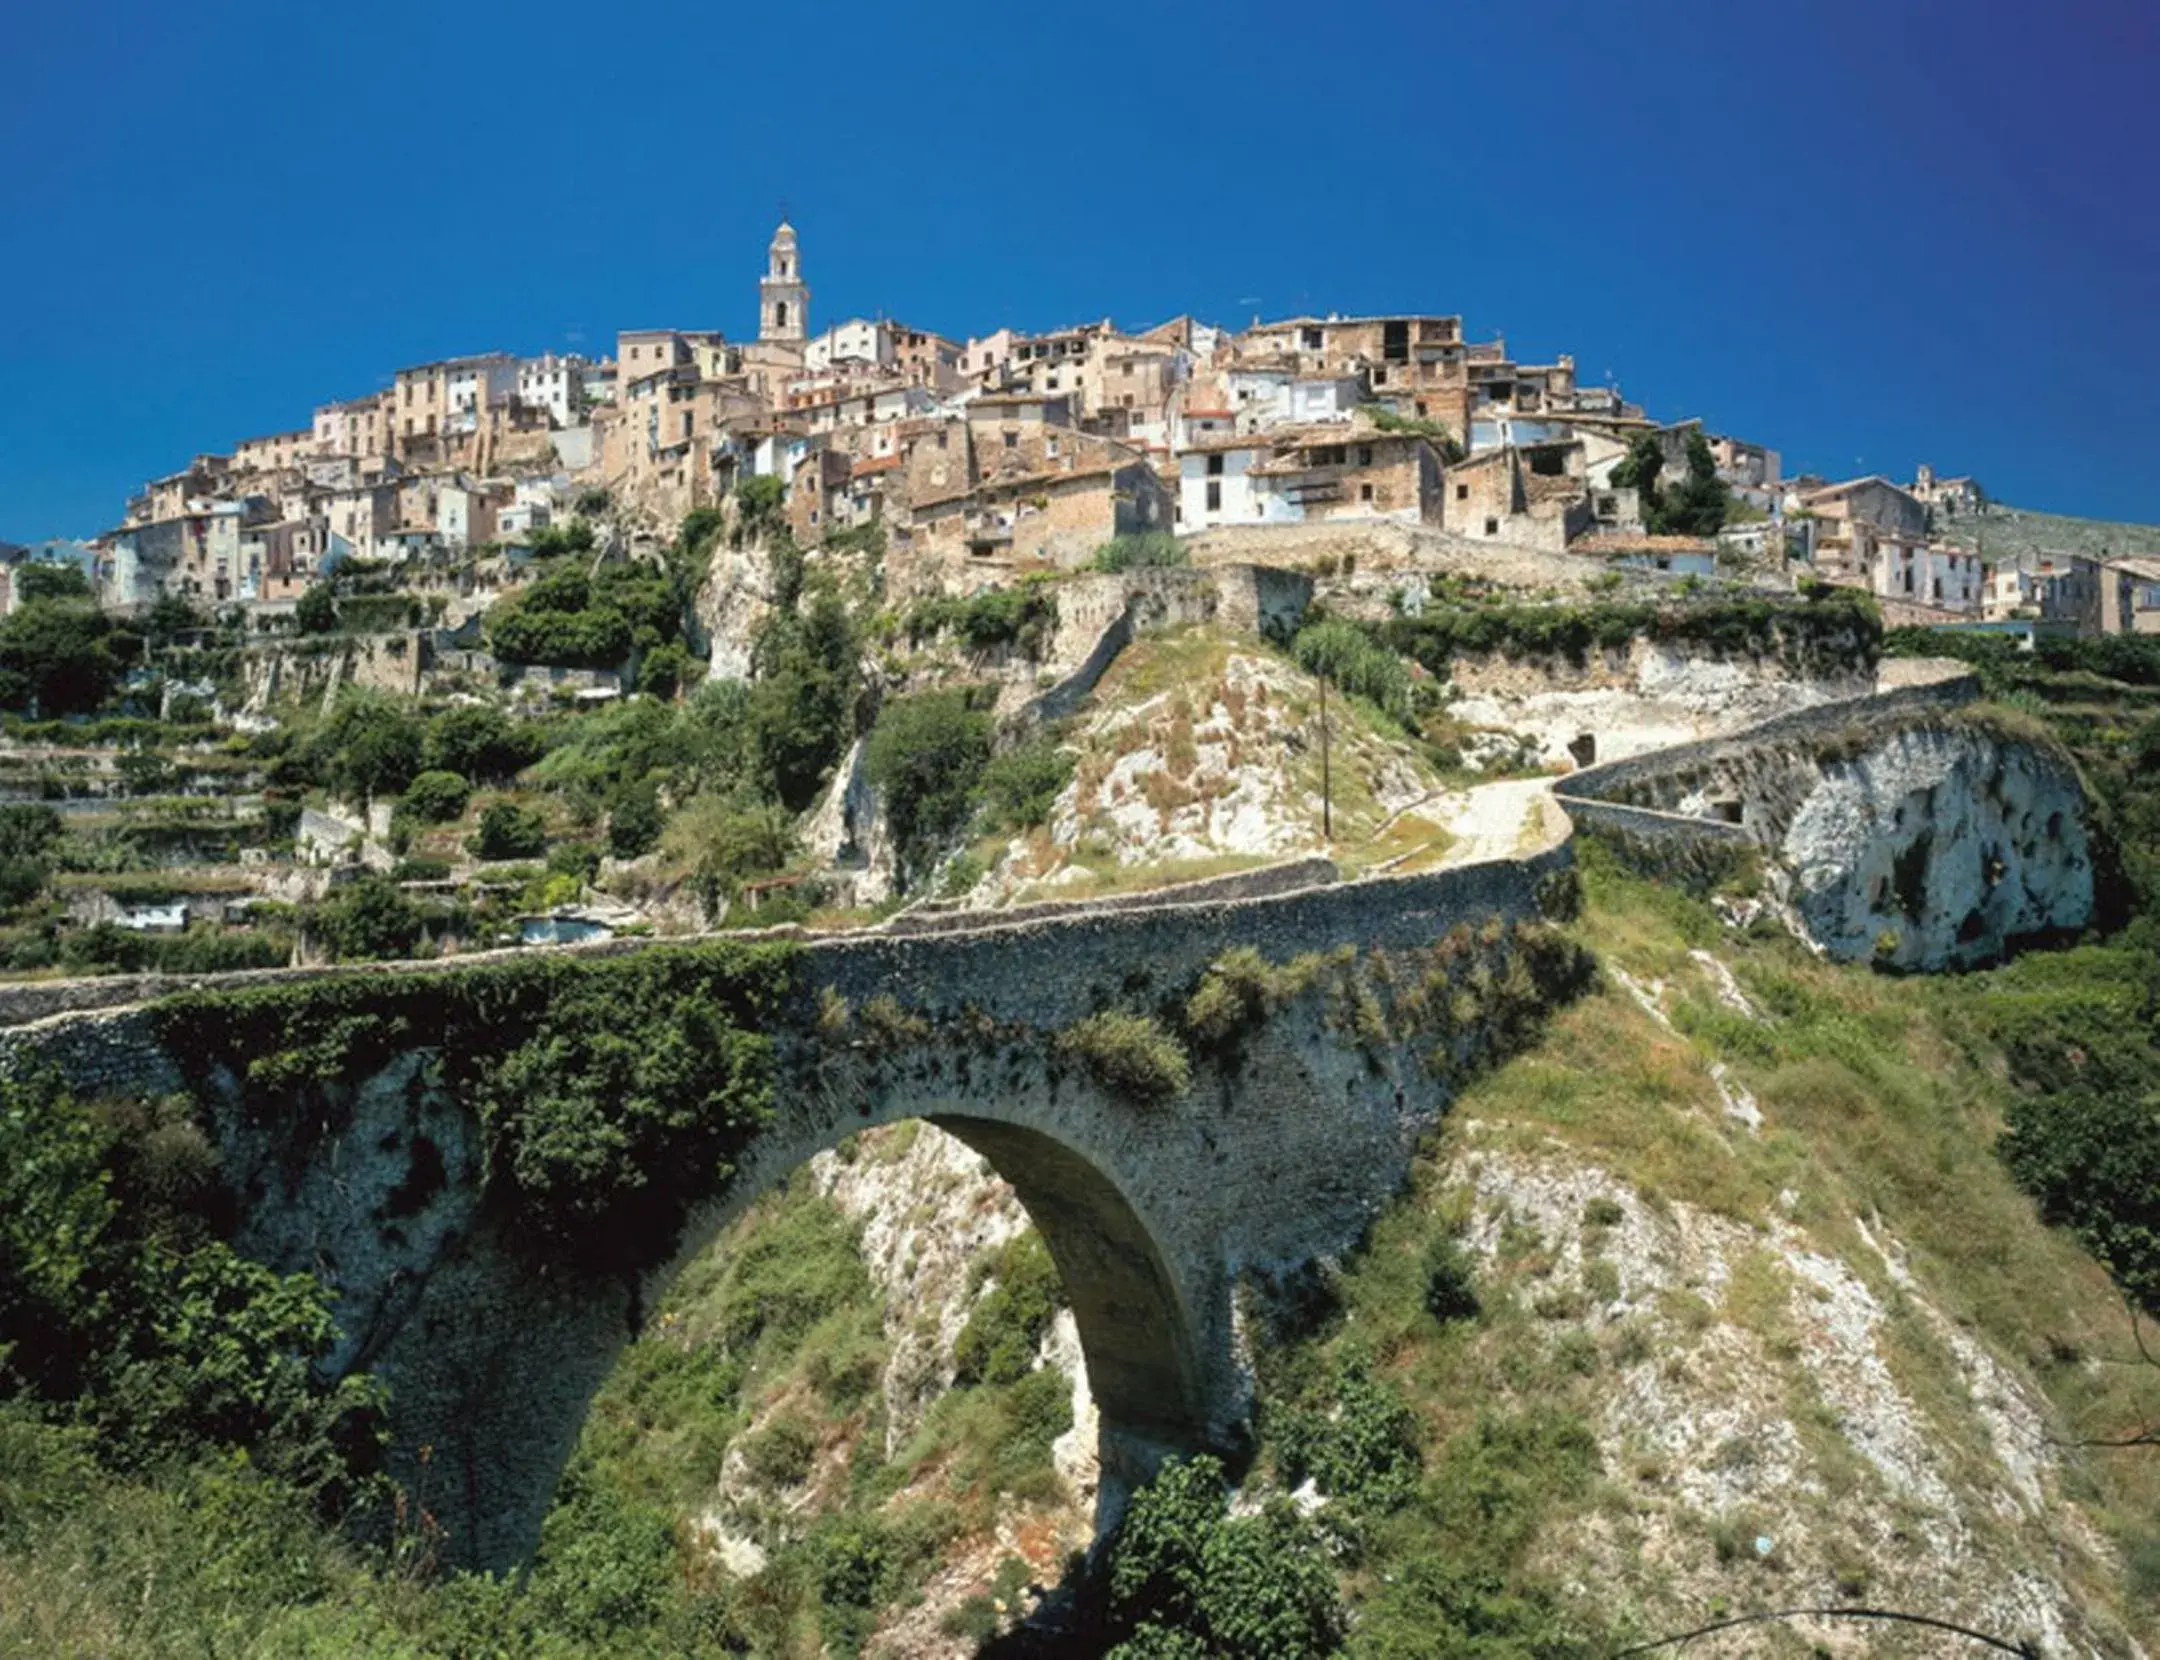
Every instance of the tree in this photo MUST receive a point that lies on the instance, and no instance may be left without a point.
(42, 580)
(56, 658)
(436, 797)
(802, 703)
(1187, 1579)
(481, 742)
(317, 611)
(635, 820)
(663, 671)
(1639, 469)
(926, 756)
(1698, 505)
(508, 831)
(369, 746)
(760, 508)
(367, 921)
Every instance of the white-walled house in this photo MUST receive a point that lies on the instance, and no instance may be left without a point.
(858, 340)
(1216, 486)
(556, 384)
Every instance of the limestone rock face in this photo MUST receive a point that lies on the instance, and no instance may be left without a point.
(1940, 848)
(851, 836)
(1634, 700)
(734, 598)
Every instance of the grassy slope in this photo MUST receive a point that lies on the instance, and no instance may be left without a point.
(1633, 1244)
(1177, 723)
(2011, 530)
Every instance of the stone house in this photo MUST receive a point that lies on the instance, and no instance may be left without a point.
(1531, 495)
(1416, 365)
(277, 453)
(1305, 475)
(1037, 521)
(1949, 497)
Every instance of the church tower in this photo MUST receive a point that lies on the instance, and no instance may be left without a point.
(783, 297)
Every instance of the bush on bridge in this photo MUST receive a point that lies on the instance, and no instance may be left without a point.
(1128, 1054)
(611, 1095)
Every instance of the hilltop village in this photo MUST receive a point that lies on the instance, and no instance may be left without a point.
(986, 459)
(1316, 892)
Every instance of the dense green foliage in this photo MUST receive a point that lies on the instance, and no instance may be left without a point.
(1832, 628)
(1142, 550)
(123, 1310)
(436, 797)
(611, 1094)
(371, 744)
(316, 612)
(801, 713)
(572, 618)
(478, 742)
(926, 755)
(1021, 784)
(509, 831)
(1348, 657)
(1007, 1327)
(59, 656)
(1186, 1578)
(1023, 615)
(1695, 506)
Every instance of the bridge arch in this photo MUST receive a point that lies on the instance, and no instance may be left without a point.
(1281, 1147)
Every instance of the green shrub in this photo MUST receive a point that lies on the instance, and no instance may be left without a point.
(436, 797)
(782, 1453)
(1450, 1293)
(926, 755)
(370, 745)
(479, 742)
(1358, 1444)
(1006, 1328)
(2090, 1157)
(663, 671)
(316, 612)
(634, 822)
(1348, 657)
(1186, 1578)
(1021, 786)
(509, 831)
(1146, 550)
(1023, 615)
(368, 920)
(1128, 1054)
(800, 711)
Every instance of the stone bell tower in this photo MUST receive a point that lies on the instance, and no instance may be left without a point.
(783, 297)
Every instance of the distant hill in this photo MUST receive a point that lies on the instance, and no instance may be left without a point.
(2002, 531)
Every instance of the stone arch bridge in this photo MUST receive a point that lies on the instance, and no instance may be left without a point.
(1284, 1146)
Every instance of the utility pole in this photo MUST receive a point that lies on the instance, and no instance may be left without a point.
(1327, 792)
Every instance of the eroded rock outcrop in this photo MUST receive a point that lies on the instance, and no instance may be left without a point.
(1922, 834)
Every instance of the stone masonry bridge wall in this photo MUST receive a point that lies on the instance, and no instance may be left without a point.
(1284, 1149)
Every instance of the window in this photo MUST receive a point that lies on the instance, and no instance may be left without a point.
(1215, 466)
(1492, 527)
(1012, 440)
(1462, 492)
(1364, 492)
(1364, 455)
(1214, 495)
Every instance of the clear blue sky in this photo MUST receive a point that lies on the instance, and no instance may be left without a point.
(1868, 234)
